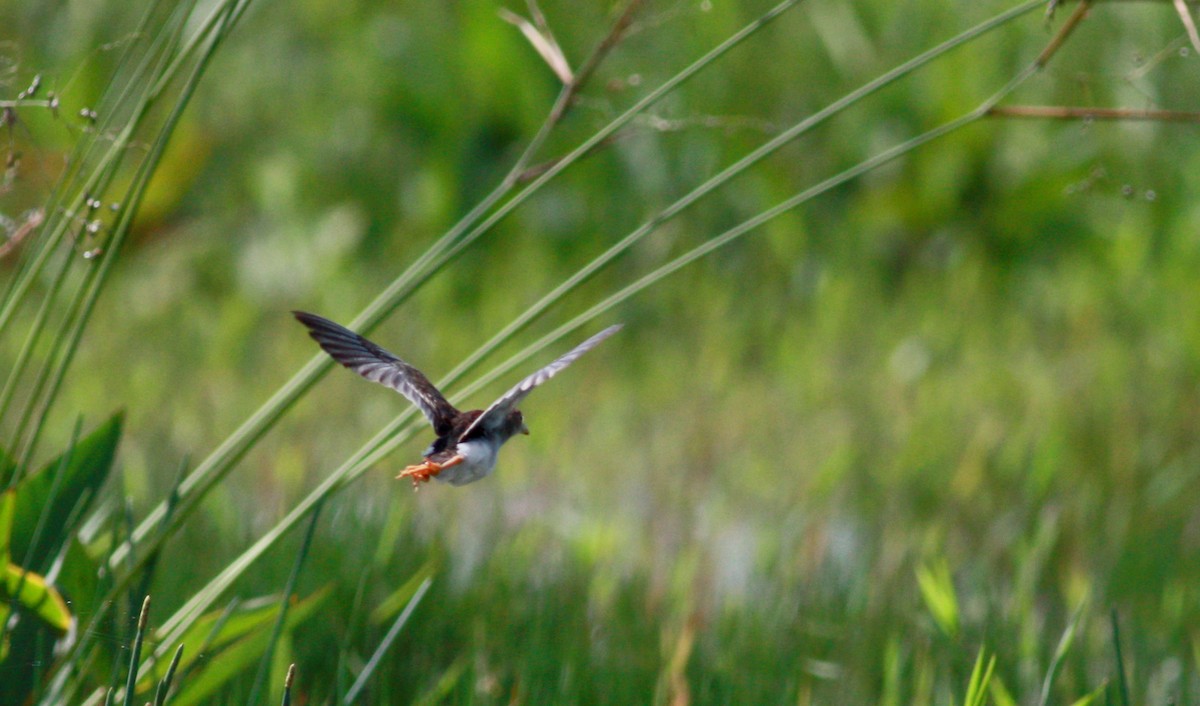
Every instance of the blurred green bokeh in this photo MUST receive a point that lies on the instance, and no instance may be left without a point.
(986, 353)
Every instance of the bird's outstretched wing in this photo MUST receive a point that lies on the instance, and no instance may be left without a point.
(376, 364)
(493, 417)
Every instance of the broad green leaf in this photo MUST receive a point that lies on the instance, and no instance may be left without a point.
(23, 587)
(201, 641)
(79, 578)
(239, 655)
(247, 619)
(57, 496)
(36, 596)
(257, 618)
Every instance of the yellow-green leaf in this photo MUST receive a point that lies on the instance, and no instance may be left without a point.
(32, 592)
(937, 588)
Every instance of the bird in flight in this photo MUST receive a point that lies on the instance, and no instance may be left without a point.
(467, 442)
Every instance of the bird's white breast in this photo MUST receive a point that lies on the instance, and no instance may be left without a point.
(479, 458)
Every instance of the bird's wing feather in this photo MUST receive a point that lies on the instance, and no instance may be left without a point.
(494, 416)
(378, 365)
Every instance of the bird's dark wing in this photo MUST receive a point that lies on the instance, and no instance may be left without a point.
(493, 417)
(377, 365)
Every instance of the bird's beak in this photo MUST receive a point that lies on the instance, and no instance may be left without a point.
(524, 429)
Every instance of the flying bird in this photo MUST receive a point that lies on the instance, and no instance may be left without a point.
(467, 442)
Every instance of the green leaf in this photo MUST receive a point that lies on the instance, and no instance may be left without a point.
(977, 687)
(23, 587)
(241, 652)
(442, 688)
(212, 632)
(79, 578)
(247, 619)
(1089, 699)
(391, 606)
(35, 595)
(57, 495)
(1060, 653)
(1000, 693)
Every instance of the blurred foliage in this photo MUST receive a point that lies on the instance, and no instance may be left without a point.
(39, 518)
(979, 364)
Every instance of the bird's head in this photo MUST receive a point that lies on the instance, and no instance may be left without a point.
(514, 424)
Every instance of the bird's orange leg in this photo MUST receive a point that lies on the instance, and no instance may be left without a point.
(422, 472)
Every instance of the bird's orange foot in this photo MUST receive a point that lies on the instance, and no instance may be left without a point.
(422, 472)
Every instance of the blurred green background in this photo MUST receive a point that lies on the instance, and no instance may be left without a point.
(983, 356)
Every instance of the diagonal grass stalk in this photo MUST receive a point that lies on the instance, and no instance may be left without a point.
(160, 63)
(733, 170)
(94, 162)
(91, 169)
(125, 107)
(83, 306)
(26, 352)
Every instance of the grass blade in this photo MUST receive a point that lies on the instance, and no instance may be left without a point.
(287, 685)
(361, 682)
(135, 655)
(1060, 653)
(937, 588)
(977, 686)
(264, 667)
(164, 686)
(1122, 683)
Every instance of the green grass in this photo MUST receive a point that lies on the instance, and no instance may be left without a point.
(902, 414)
